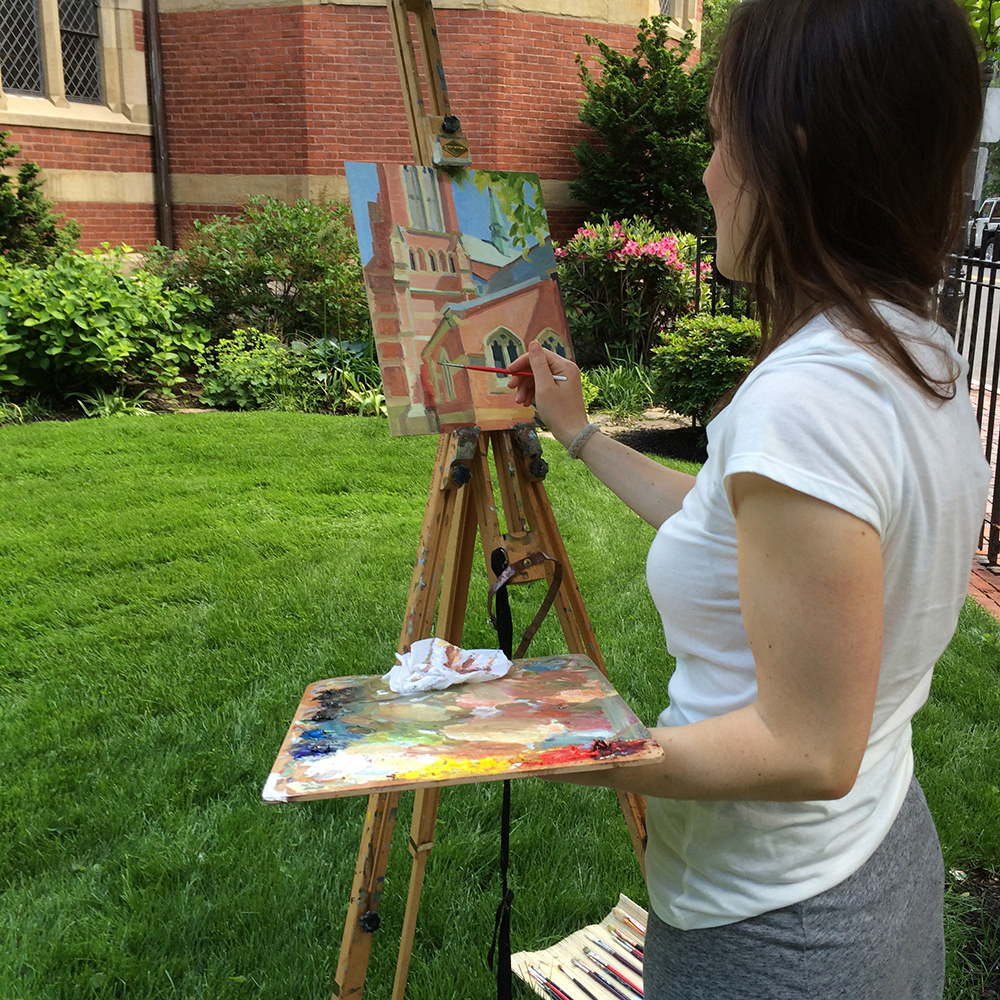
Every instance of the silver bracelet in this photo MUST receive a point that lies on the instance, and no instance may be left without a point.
(576, 445)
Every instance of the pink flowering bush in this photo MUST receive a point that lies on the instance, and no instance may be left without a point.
(624, 282)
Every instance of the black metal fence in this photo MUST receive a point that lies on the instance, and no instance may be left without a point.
(971, 309)
(714, 294)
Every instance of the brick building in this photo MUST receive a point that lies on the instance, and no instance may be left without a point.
(271, 97)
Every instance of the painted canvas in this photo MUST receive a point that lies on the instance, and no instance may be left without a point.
(353, 735)
(459, 270)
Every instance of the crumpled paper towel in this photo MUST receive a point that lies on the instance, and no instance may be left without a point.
(433, 664)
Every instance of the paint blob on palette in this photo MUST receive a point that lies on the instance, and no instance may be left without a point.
(353, 735)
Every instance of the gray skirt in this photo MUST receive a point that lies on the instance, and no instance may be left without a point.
(878, 935)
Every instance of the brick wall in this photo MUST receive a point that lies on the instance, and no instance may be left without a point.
(298, 90)
(234, 84)
(112, 223)
(185, 215)
(65, 149)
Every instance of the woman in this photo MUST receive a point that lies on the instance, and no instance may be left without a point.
(813, 572)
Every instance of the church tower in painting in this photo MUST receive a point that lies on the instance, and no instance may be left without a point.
(417, 267)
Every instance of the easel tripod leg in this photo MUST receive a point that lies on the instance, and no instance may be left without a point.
(362, 913)
(425, 809)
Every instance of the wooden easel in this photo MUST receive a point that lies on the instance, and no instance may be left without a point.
(461, 502)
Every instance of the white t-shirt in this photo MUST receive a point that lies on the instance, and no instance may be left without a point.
(824, 416)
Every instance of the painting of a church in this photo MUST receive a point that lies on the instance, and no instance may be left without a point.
(452, 278)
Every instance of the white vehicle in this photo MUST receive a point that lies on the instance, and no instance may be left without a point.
(983, 232)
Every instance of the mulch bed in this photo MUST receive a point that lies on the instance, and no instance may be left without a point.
(983, 948)
(685, 443)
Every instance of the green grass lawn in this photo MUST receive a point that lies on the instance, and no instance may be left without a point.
(168, 588)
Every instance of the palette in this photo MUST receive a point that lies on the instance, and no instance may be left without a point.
(353, 735)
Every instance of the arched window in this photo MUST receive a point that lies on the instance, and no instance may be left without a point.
(502, 347)
(413, 262)
(451, 262)
(433, 260)
(423, 198)
(552, 342)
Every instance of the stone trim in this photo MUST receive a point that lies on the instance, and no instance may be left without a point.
(225, 189)
(601, 11)
(98, 186)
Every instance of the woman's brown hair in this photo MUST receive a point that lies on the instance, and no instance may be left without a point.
(850, 122)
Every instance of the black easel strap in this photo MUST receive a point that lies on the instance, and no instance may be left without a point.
(532, 559)
(501, 926)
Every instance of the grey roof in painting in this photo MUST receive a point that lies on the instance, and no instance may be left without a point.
(502, 293)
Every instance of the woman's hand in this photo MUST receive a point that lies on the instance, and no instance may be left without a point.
(559, 404)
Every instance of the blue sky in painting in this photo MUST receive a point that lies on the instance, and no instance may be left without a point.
(472, 206)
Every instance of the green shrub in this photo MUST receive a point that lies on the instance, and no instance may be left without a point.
(650, 114)
(29, 230)
(622, 283)
(112, 404)
(700, 361)
(255, 370)
(622, 389)
(80, 323)
(294, 269)
(590, 391)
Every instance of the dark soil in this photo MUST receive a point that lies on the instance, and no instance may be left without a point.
(685, 443)
(983, 948)
(659, 432)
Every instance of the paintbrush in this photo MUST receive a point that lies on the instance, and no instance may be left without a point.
(626, 919)
(576, 982)
(633, 946)
(498, 371)
(597, 977)
(612, 971)
(547, 985)
(614, 954)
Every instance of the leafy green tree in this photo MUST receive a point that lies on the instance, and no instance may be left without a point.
(292, 269)
(984, 16)
(714, 18)
(650, 114)
(29, 230)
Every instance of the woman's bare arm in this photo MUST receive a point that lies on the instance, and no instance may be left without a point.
(810, 578)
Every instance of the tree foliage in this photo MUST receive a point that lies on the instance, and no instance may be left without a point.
(714, 18)
(294, 269)
(650, 114)
(699, 361)
(29, 230)
(984, 16)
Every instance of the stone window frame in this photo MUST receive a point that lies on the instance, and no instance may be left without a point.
(125, 105)
(501, 337)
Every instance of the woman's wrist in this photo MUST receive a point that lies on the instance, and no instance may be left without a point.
(580, 439)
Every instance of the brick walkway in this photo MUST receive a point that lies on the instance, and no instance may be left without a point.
(984, 586)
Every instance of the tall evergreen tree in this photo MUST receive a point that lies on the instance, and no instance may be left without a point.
(29, 230)
(650, 114)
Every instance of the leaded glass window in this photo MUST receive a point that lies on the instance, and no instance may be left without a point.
(81, 50)
(423, 199)
(504, 347)
(21, 47)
